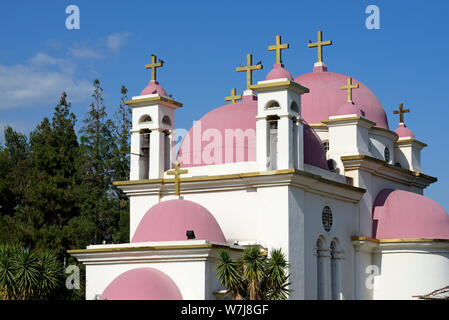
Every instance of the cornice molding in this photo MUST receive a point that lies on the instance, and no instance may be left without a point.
(246, 181)
(387, 171)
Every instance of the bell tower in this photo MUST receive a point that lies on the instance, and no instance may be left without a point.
(279, 127)
(153, 115)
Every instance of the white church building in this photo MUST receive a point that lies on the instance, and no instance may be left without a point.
(308, 164)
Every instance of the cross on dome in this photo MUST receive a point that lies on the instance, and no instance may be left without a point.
(249, 68)
(233, 97)
(177, 172)
(278, 47)
(153, 66)
(320, 44)
(401, 112)
(349, 87)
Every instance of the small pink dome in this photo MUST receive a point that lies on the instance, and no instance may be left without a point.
(348, 108)
(153, 87)
(404, 132)
(142, 284)
(240, 116)
(169, 220)
(402, 214)
(325, 97)
(278, 72)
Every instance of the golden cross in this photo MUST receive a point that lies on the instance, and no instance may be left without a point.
(249, 69)
(320, 44)
(233, 97)
(278, 47)
(177, 172)
(401, 112)
(349, 87)
(153, 66)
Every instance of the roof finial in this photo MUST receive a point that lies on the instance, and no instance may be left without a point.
(249, 68)
(401, 112)
(278, 47)
(320, 44)
(153, 66)
(233, 97)
(349, 87)
(177, 172)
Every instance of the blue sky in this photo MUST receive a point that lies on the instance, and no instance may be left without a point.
(202, 42)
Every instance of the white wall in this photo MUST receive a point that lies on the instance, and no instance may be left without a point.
(412, 271)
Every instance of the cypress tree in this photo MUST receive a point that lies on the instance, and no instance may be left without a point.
(97, 169)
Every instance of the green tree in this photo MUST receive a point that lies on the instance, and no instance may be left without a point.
(14, 168)
(52, 182)
(254, 276)
(121, 159)
(99, 214)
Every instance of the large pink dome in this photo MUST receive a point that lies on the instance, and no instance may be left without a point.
(403, 214)
(142, 284)
(236, 117)
(169, 220)
(325, 98)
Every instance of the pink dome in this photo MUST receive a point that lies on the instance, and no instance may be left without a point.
(169, 220)
(404, 132)
(236, 117)
(153, 87)
(278, 72)
(403, 214)
(314, 153)
(325, 97)
(142, 284)
(348, 108)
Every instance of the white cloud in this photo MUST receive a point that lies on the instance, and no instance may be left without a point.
(43, 78)
(116, 40)
(83, 52)
(34, 84)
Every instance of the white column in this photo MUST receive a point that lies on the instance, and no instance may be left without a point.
(261, 143)
(134, 157)
(300, 144)
(285, 145)
(336, 269)
(157, 151)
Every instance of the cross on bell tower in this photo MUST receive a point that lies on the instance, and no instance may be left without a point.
(320, 44)
(278, 47)
(153, 66)
(249, 68)
(401, 112)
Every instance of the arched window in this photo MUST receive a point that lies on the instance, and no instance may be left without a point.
(294, 107)
(145, 118)
(272, 105)
(326, 146)
(166, 120)
(336, 261)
